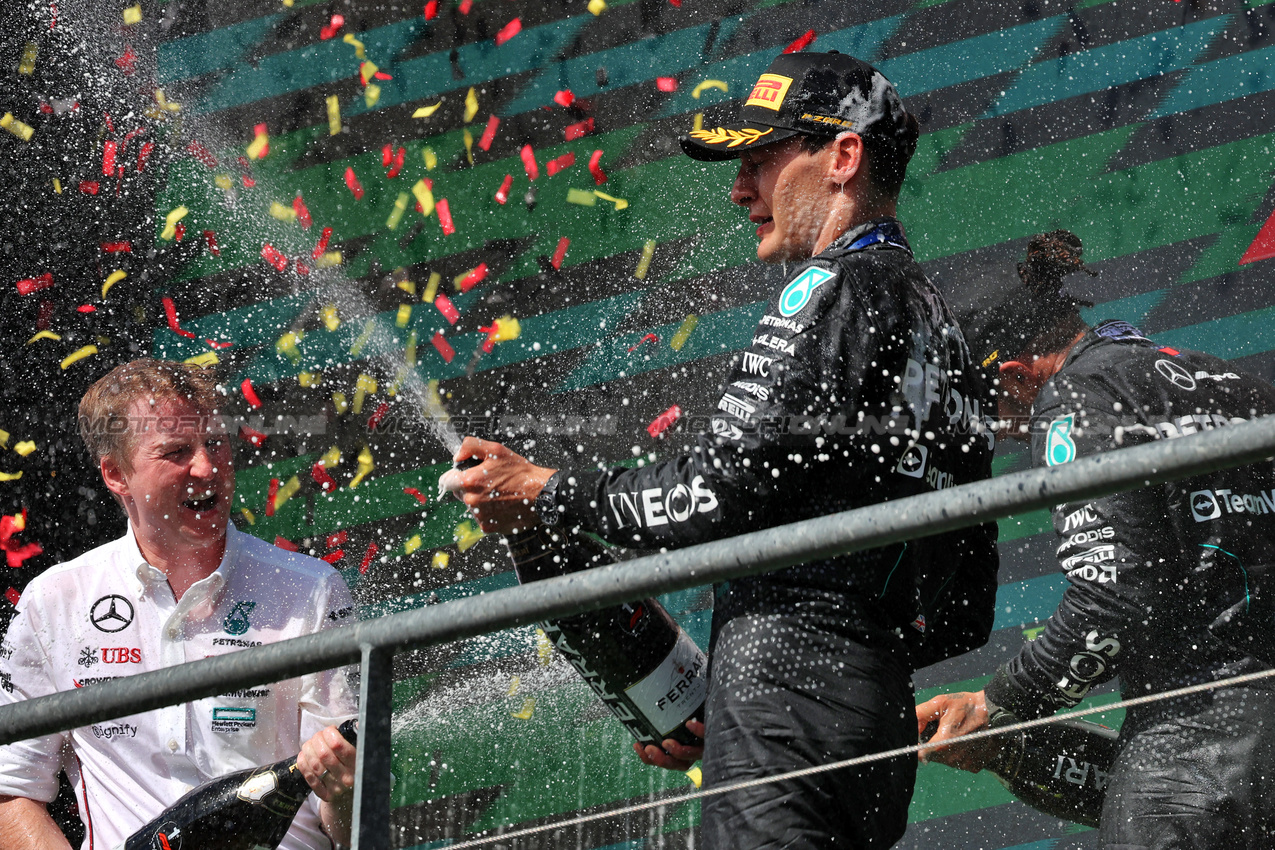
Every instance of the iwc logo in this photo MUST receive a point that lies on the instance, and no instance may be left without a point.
(111, 614)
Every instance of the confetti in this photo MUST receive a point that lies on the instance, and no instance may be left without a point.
(283, 542)
(4, 441)
(544, 649)
(426, 111)
(508, 31)
(560, 163)
(502, 194)
(595, 168)
(708, 84)
(202, 154)
(489, 134)
(260, 146)
(528, 708)
(303, 212)
(560, 253)
(357, 348)
(10, 476)
(578, 130)
(363, 385)
(467, 534)
(666, 84)
(431, 10)
(352, 181)
(413, 543)
(108, 157)
(13, 596)
(133, 15)
(469, 145)
(322, 478)
(170, 313)
(329, 30)
(644, 264)
(529, 162)
(285, 492)
(465, 6)
(371, 94)
(404, 315)
(445, 217)
(664, 421)
(322, 244)
(358, 45)
(143, 156)
(447, 308)
(328, 260)
(287, 345)
(337, 539)
(334, 115)
(417, 495)
(331, 320)
(203, 361)
(16, 127)
(620, 203)
(78, 355)
(504, 329)
(170, 222)
(274, 257)
(282, 213)
(643, 341)
(398, 163)
(801, 43)
(408, 286)
(396, 214)
(332, 458)
(431, 286)
(366, 465)
(583, 197)
(696, 776)
(372, 549)
(333, 557)
(339, 404)
(210, 239)
(409, 351)
(250, 394)
(564, 98)
(684, 332)
(472, 278)
(443, 346)
(252, 435)
(248, 515)
(597, 7)
(26, 65)
(89, 187)
(42, 335)
(431, 160)
(86, 308)
(440, 560)
(35, 284)
(471, 105)
(25, 447)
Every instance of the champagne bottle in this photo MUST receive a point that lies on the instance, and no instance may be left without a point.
(643, 665)
(245, 810)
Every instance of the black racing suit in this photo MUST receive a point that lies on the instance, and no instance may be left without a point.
(857, 389)
(1148, 571)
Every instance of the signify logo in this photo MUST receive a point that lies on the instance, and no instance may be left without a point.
(1211, 504)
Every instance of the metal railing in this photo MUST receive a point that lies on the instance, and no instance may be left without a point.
(373, 643)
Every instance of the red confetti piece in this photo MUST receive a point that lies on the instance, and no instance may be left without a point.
(417, 495)
(274, 257)
(303, 212)
(561, 253)
(260, 131)
(13, 596)
(372, 549)
(595, 168)
(387, 155)
(252, 435)
(35, 284)
(108, 157)
(283, 542)
(447, 308)
(272, 493)
(179, 232)
(578, 130)
(249, 393)
(398, 163)
(128, 62)
(377, 415)
(465, 6)
(489, 133)
(801, 43)
(352, 181)
(502, 194)
(89, 187)
(666, 84)
(475, 276)
(330, 30)
(215, 344)
(44, 316)
(337, 539)
(248, 182)
(333, 557)
(445, 216)
(1263, 246)
(86, 308)
(14, 558)
(302, 268)
(322, 244)
(564, 98)
(508, 31)
(664, 421)
(144, 155)
(202, 154)
(15, 552)
(381, 75)
(557, 164)
(117, 247)
(321, 477)
(644, 340)
(170, 312)
(529, 162)
(110, 125)
(489, 344)
(210, 237)
(431, 10)
(443, 346)
(677, 4)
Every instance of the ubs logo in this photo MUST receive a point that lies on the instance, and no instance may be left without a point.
(1175, 374)
(111, 613)
(1204, 506)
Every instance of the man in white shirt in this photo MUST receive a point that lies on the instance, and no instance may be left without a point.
(181, 585)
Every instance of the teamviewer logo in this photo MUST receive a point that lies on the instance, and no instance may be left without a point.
(1204, 506)
(912, 464)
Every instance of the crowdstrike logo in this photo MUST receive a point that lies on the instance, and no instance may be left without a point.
(1211, 504)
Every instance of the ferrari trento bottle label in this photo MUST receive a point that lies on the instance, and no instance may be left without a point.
(672, 692)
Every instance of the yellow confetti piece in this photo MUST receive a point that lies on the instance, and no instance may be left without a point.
(26, 65)
(40, 335)
(544, 649)
(620, 203)
(413, 543)
(409, 352)
(57, 185)
(513, 685)
(331, 458)
(699, 121)
(644, 264)
(371, 94)
(367, 70)
(287, 345)
(684, 332)
(4, 438)
(358, 45)
(16, 127)
(286, 491)
(112, 279)
(396, 214)
(363, 385)
(408, 286)
(170, 222)
(696, 776)
(424, 197)
(431, 287)
(165, 103)
(328, 260)
(133, 15)
(203, 361)
(528, 709)
(19, 522)
(597, 7)
(331, 320)
(25, 447)
(339, 403)
(469, 145)
(248, 515)
(75, 356)
(431, 159)
(440, 560)
(582, 197)
(366, 465)
(259, 145)
(10, 476)
(103, 340)
(471, 105)
(708, 84)
(507, 328)
(221, 181)
(404, 315)
(427, 111)
(357, 348)
(281, 212)
(309, 379)
(467, 534)
(334, 115)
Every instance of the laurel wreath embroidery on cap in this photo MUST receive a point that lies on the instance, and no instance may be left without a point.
(747, 136)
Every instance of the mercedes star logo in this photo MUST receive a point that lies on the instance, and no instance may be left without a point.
(111, 613)
(1175, 374)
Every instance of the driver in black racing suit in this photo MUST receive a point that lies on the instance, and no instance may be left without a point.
(1148, 570)
(857, 388)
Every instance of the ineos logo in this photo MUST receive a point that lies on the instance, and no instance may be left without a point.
(1175, 374)
(108, 615)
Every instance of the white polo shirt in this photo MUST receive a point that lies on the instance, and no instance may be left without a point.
(109, 613)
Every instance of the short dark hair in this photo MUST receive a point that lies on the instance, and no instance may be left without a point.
(887, 158)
